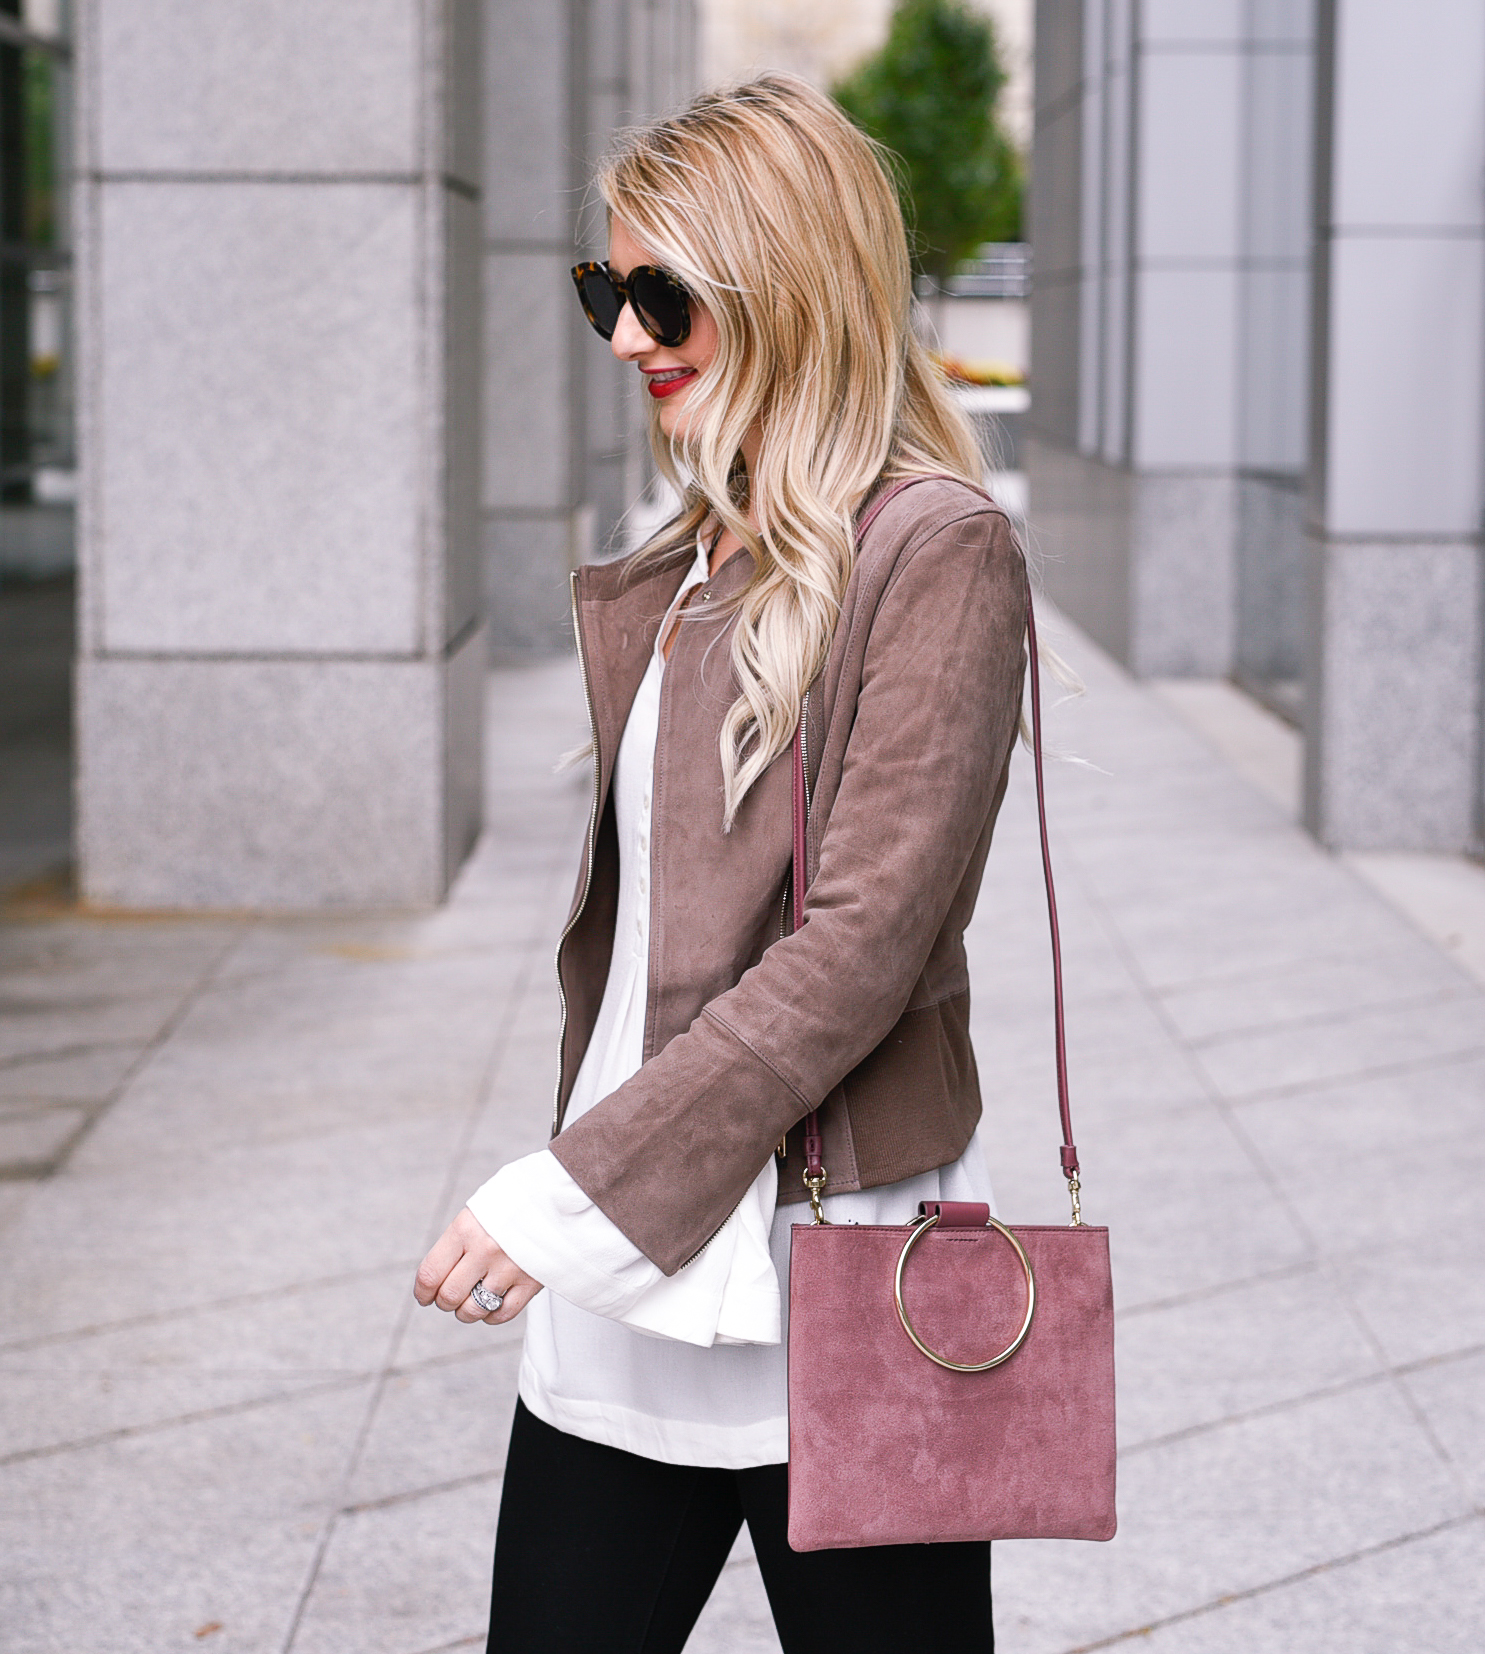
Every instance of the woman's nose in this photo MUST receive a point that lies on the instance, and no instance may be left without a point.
(630, 340)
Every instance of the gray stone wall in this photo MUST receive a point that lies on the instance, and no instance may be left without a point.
(565, 453)
(1396, 490)
(1276, 216)
(1258, 371)
(1169, 220)
(280, 648)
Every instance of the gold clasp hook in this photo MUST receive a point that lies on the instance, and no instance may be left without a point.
(1075, 1189)
(815, 1185)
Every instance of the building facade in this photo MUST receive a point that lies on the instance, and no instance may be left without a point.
(341, 430)
(1258, 419)
(565, 452)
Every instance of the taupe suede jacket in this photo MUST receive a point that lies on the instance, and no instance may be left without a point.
(910, 730)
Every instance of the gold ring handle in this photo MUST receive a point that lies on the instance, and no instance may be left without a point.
(921, 1228)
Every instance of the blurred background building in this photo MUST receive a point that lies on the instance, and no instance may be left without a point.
(292, 378)
(1258, 374)
(342, 430)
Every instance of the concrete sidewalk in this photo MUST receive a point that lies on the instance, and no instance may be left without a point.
(226, 1426)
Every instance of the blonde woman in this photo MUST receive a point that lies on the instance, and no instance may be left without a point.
(758, 281)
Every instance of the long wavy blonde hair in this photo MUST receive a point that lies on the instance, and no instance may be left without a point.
(781, 217)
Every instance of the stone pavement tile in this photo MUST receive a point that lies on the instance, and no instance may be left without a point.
(1230, 1510)
(1426, 1596)
(68, 986)
(440, 1423)
(238, 1220)
(1011, 974)
(460, 929)
(1452, 1397)
(519, 856)
(503, 1137)
(46, 1413)
(344, 975)
(31, 1138)
(266, 1062)
(145, 1374)
(1163, 777)
(77, 961)
(1152, 868)
(131, 1547)
(1197, 1362)
(736, 1619)
(1155, 875)
(1265, 750)
(336, 1324)
(14, 1199)
(428, 1336)
(1187, 1211)
(1120, 1030)
(1313, 1053)
(524, 916)
(1007, 940)
(82, 1076)
(1115, 1073)
(1307, 987)
(1381, 1161)
(1021, 1135)
(517, 1115)
(1208, 908)
(405, 1577)
(31, 1032)
(1423, 1298)
(1442, 895)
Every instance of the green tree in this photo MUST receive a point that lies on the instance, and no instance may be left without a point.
(929, 96)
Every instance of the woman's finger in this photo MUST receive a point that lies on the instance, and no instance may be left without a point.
(433, 1271)
(465, 1255)
(453, 1294)
(516, 1300)
(498, 1280)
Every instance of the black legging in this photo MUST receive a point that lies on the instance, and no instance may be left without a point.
(599, 1551)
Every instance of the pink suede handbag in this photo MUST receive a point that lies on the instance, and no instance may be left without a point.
(951, 1378)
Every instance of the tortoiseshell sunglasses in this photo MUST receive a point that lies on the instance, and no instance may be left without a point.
(660, 303)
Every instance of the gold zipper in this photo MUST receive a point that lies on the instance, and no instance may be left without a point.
(588, 865)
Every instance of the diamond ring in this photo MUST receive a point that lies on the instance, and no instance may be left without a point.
(487, 1300)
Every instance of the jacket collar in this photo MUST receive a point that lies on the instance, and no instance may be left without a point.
(617, 616)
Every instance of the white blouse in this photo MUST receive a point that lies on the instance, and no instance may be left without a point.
(690, 1368)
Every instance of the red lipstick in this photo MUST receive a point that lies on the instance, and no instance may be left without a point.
(665, 387)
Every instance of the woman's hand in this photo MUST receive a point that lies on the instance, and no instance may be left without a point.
(462, 1255)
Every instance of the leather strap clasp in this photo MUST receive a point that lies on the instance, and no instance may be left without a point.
(956, 1214)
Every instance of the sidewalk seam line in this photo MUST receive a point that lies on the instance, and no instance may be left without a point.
(201, 1416)
(483, 1092)
(1227, 1600)
(1267, 1174)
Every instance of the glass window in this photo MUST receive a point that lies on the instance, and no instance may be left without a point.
(37, 459)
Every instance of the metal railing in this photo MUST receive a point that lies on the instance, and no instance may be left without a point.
(999, 270)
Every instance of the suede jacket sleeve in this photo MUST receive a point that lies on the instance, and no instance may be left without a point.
(670, 1153)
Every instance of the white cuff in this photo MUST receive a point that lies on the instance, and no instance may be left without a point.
(548, 1227)
(729, 1294)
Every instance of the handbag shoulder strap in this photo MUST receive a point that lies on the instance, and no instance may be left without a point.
(814, 1172)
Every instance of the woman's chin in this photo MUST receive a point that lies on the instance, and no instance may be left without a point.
(672, 415)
